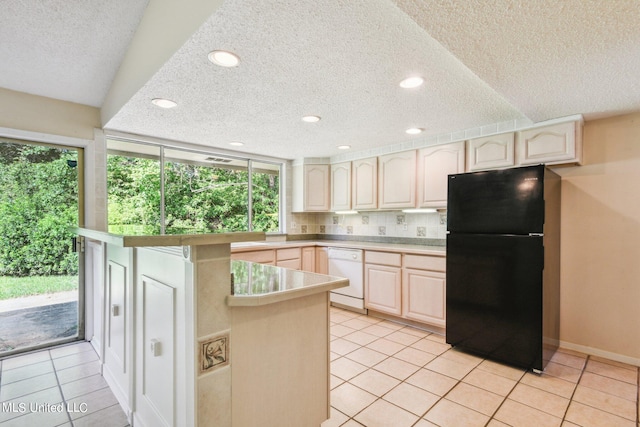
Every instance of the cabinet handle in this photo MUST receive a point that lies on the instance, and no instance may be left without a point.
(115, 310)
(156, 348)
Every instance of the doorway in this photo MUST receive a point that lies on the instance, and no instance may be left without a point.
(41, 294)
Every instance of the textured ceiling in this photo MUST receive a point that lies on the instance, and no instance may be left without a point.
(547, 58)
(65, 49)
(341, 61)
(483, 62)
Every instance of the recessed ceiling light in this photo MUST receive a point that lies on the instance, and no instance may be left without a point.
(344, 147)
(414, 131)
(236, 143)
(411, 82)
(224, 58)
(163, 103)
(311, 119)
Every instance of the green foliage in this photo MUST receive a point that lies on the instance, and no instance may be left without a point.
(15, 287)
(38, 201)
(198, 199)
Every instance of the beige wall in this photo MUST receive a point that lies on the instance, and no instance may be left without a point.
(45, 115)
(600, 289)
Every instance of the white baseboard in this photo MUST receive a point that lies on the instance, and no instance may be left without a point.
(600, 353)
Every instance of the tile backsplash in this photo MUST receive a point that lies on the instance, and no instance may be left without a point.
(373, 223)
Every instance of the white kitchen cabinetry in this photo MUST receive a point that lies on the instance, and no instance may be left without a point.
(556, 144)
(423, 289)
(397, 180)
(341, 186)
(491, 152)
(310, 188)
(435, 164)
(383, 282)
(364, 181)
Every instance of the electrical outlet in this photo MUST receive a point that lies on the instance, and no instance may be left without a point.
(443, 219)
(294, 225)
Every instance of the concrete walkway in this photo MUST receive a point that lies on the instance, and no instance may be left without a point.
(25, 322)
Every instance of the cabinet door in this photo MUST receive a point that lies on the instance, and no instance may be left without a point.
(310, 188)
(341, 186)
(322, 260)
(383, 288)
(561, 143)
(492, 152)
(364, 182)
(423, 296)
(435, 164)
(309, 259)
(316, 186)
(397, 180)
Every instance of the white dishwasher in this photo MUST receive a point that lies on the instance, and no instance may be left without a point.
(348, 263)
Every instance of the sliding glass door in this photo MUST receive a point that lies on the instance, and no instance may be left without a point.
(40, 292)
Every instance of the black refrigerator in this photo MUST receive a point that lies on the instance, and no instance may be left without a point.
(503, 264)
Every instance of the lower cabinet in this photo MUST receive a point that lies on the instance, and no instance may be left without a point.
(267, 256)
(383, 282)
(322, 260)
(308, 259)
(288, 258)
(423, 289)
(406, 285)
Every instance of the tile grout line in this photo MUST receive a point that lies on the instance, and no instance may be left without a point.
(506, 396)
(575, 389)
(64, 401)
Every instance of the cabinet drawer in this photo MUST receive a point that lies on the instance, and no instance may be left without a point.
(422, 262)
(262, 257)
(289, 253)
(293, 264)
(383, 258)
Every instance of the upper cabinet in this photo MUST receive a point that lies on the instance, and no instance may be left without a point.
(310, 188)
(491, 152)
(556, 144)
(435, 164)
(341, 186)
(397, 180)
(364, 181)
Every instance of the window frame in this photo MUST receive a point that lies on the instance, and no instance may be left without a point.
(189, 148)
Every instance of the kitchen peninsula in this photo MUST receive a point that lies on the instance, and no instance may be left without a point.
(184, 342)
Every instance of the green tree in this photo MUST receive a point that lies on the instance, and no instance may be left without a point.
(198, 198)
(38, 201)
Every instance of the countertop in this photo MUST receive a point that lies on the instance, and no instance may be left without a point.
(168, 239)
(386, 247)
(260, 284)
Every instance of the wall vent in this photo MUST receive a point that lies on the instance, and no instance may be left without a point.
(218, 160)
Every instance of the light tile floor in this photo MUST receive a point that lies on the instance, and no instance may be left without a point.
(384, 374)
(61, 386)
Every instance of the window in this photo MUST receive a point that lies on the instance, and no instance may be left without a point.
(158, 190)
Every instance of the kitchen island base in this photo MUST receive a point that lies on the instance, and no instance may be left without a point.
(280, 357)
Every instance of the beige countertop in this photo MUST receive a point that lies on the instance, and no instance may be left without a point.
(168, 239)
(260, 284)
(374, 246)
